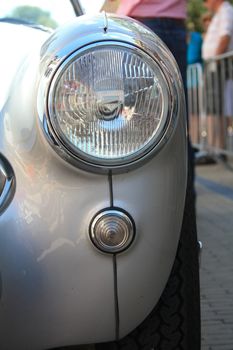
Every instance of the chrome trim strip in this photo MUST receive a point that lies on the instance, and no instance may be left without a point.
(117, 310)
(7, 189)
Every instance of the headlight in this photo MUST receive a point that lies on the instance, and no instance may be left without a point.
(109, 104)
(109, 93)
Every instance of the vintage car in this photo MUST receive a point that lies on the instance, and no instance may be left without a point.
(98, 239)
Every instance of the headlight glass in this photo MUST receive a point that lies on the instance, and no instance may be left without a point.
(108, 104)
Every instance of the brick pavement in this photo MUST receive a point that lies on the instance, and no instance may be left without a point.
(214, 187)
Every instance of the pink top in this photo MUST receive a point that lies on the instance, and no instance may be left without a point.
(153, 8)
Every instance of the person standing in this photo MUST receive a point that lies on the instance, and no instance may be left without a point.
(219, 35)
(206, 19)
(218, 40)
(194, 54)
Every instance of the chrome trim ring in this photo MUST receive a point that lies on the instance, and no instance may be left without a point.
(112, 230)
(121, 31)
(85, 158)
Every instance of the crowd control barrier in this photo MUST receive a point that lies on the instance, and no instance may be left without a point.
(210, 105)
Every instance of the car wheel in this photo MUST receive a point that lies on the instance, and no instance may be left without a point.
(175, 321)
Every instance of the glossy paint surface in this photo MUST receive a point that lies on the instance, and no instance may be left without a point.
(51, 290)
(57, 289)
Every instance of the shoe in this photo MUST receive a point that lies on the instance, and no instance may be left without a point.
(222, 157)
(204, 159)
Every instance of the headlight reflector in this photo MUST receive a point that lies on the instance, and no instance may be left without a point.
(109, 104)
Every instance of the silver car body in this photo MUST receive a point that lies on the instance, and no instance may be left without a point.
(56, 287)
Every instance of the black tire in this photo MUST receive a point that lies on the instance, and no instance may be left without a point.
(174, 324)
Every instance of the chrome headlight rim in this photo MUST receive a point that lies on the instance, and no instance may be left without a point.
(87, 162)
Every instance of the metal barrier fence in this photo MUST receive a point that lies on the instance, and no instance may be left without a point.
(210, 105)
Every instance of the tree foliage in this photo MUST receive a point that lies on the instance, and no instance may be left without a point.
(196, 10)
(35, 15)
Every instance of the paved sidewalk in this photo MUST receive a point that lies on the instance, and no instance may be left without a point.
(214, 187)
